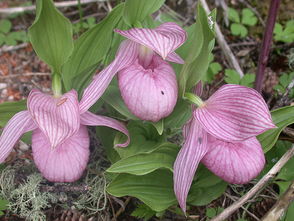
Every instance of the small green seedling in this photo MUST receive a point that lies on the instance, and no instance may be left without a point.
(10, 38)
(85, 25)
(213, 69)
(232, 77)
(284, 81)
(284, 34)
(211, 212)
(247, 18)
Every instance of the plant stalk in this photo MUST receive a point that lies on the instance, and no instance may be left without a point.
(266, 43)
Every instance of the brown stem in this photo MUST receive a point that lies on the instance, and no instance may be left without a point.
(266, 43)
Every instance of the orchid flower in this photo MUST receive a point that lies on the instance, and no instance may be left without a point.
(147, 82)
(60, 140)
(222, 135)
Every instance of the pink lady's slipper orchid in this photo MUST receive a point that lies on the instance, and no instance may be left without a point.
(222, 135)
(147, 82)
(60, 140)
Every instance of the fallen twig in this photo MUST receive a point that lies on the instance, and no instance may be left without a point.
(64, 188)
(122, 209)
(262, 182)
(8, 11)
(224, 45)
(289, 132)
(25, 75)
(281, 206)
(246, 210)
(12, 48)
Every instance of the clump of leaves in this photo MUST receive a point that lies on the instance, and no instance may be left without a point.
(284, 81)
(84, 25)
(284, 34)
(232, 77)
(213, 69)
(239, 22)
(9, 37)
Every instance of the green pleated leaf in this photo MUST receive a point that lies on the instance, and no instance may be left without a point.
(138, 10)
(144, 139)
(154, 189)
(180, 115)
(91, 47)
(106, 136)
(141, 164)
(112, 97)
(8, 109)
(82, 79)
(51, 35)
(207, 187)
(201, 196)
(197, 61)
(282, 117)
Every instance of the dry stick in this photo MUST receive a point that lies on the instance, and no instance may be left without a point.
(266, 43)
(246, 210)
(289, 132)
(224, 45)
(261, 183)
(8, 11)
(12, 47)
(281, 206)
(25, 75)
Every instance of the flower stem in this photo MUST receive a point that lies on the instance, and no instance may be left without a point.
(56, 85)
(266, 43)
(80, 14)
(194, 99)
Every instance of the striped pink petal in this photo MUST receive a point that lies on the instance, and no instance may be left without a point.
(164, 39)
(125, 56)
(58, 118)
(95, 120)
(234, 113)
(150, 94)
(235, 162)
(193, 150)
(19, 124)
(66, 162)
(174, 57)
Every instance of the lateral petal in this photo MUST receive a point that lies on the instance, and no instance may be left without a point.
(125, 56)
(193, 150)
(58, 118)
(164, 39)
(174, 57)
(236, 163)
(234, 113)
(66, 162)
(19, 124)
(96, 120)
